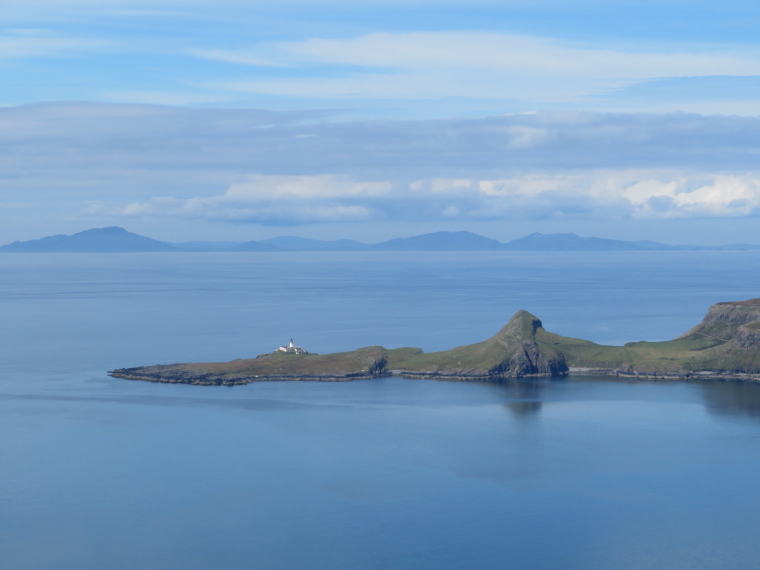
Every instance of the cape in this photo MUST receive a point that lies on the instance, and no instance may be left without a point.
(725, 345)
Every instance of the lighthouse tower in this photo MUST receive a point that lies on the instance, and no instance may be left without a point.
(292, 348)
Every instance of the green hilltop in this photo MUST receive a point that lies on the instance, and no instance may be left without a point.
(726, 344)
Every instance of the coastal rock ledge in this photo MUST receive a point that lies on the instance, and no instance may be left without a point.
(725, 345)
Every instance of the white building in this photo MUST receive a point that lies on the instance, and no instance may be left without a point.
(292, 348)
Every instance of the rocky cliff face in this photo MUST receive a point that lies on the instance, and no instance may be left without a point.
(733, 330)
(723, 319)
(747, 337)
(531, 360)
(528, 357)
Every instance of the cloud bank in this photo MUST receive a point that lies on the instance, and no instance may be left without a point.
(428, 65)
(110, 163)
(292, 200)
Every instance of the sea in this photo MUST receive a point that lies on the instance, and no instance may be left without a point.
(578, 472)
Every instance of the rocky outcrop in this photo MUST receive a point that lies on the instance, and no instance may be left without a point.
(533, 361)
(514, 352)
(747, 337)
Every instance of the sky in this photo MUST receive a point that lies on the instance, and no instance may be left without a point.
(244, 120)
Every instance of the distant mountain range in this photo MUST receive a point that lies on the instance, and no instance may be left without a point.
(90, 241)
(115, 239)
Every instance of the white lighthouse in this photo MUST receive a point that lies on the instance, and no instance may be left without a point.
(292, 348)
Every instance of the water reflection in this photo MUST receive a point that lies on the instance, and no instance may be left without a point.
(732, 399)
(525, 397)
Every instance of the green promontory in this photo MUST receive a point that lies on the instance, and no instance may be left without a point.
(726, 344)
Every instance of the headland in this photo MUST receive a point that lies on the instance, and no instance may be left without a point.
(725, 345)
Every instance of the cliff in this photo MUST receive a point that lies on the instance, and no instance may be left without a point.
(726, 344)
(517, 350)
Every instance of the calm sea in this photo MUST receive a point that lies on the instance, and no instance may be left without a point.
(580, 473)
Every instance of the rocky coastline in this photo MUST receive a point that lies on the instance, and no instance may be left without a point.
(717, 375)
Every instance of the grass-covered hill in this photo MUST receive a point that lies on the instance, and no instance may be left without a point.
(725, 344)
(727, 341)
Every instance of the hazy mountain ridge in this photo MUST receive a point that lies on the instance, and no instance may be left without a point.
(440, 241)
(116, 239)
(97, 240)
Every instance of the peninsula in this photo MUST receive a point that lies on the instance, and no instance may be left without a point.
(725, 345)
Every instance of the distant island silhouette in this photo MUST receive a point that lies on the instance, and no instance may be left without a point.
(725, 345)
(118, 240)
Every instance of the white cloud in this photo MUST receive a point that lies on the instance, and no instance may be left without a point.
(22, 43)
(530, 185)
(591, 194)
(474, 64)
(268, 199)
(441, 186)
(159, 97)
(303, 187)
(719, 196)
(245, 58)
(524, 137)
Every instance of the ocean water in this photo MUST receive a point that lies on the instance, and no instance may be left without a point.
(588, 473)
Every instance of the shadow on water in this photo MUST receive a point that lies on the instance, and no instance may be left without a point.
(524, 396)
(733, 399)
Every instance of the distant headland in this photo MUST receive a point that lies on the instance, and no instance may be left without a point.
(725, 345)
(119, 240)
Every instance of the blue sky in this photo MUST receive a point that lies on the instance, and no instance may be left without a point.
(370, 120)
